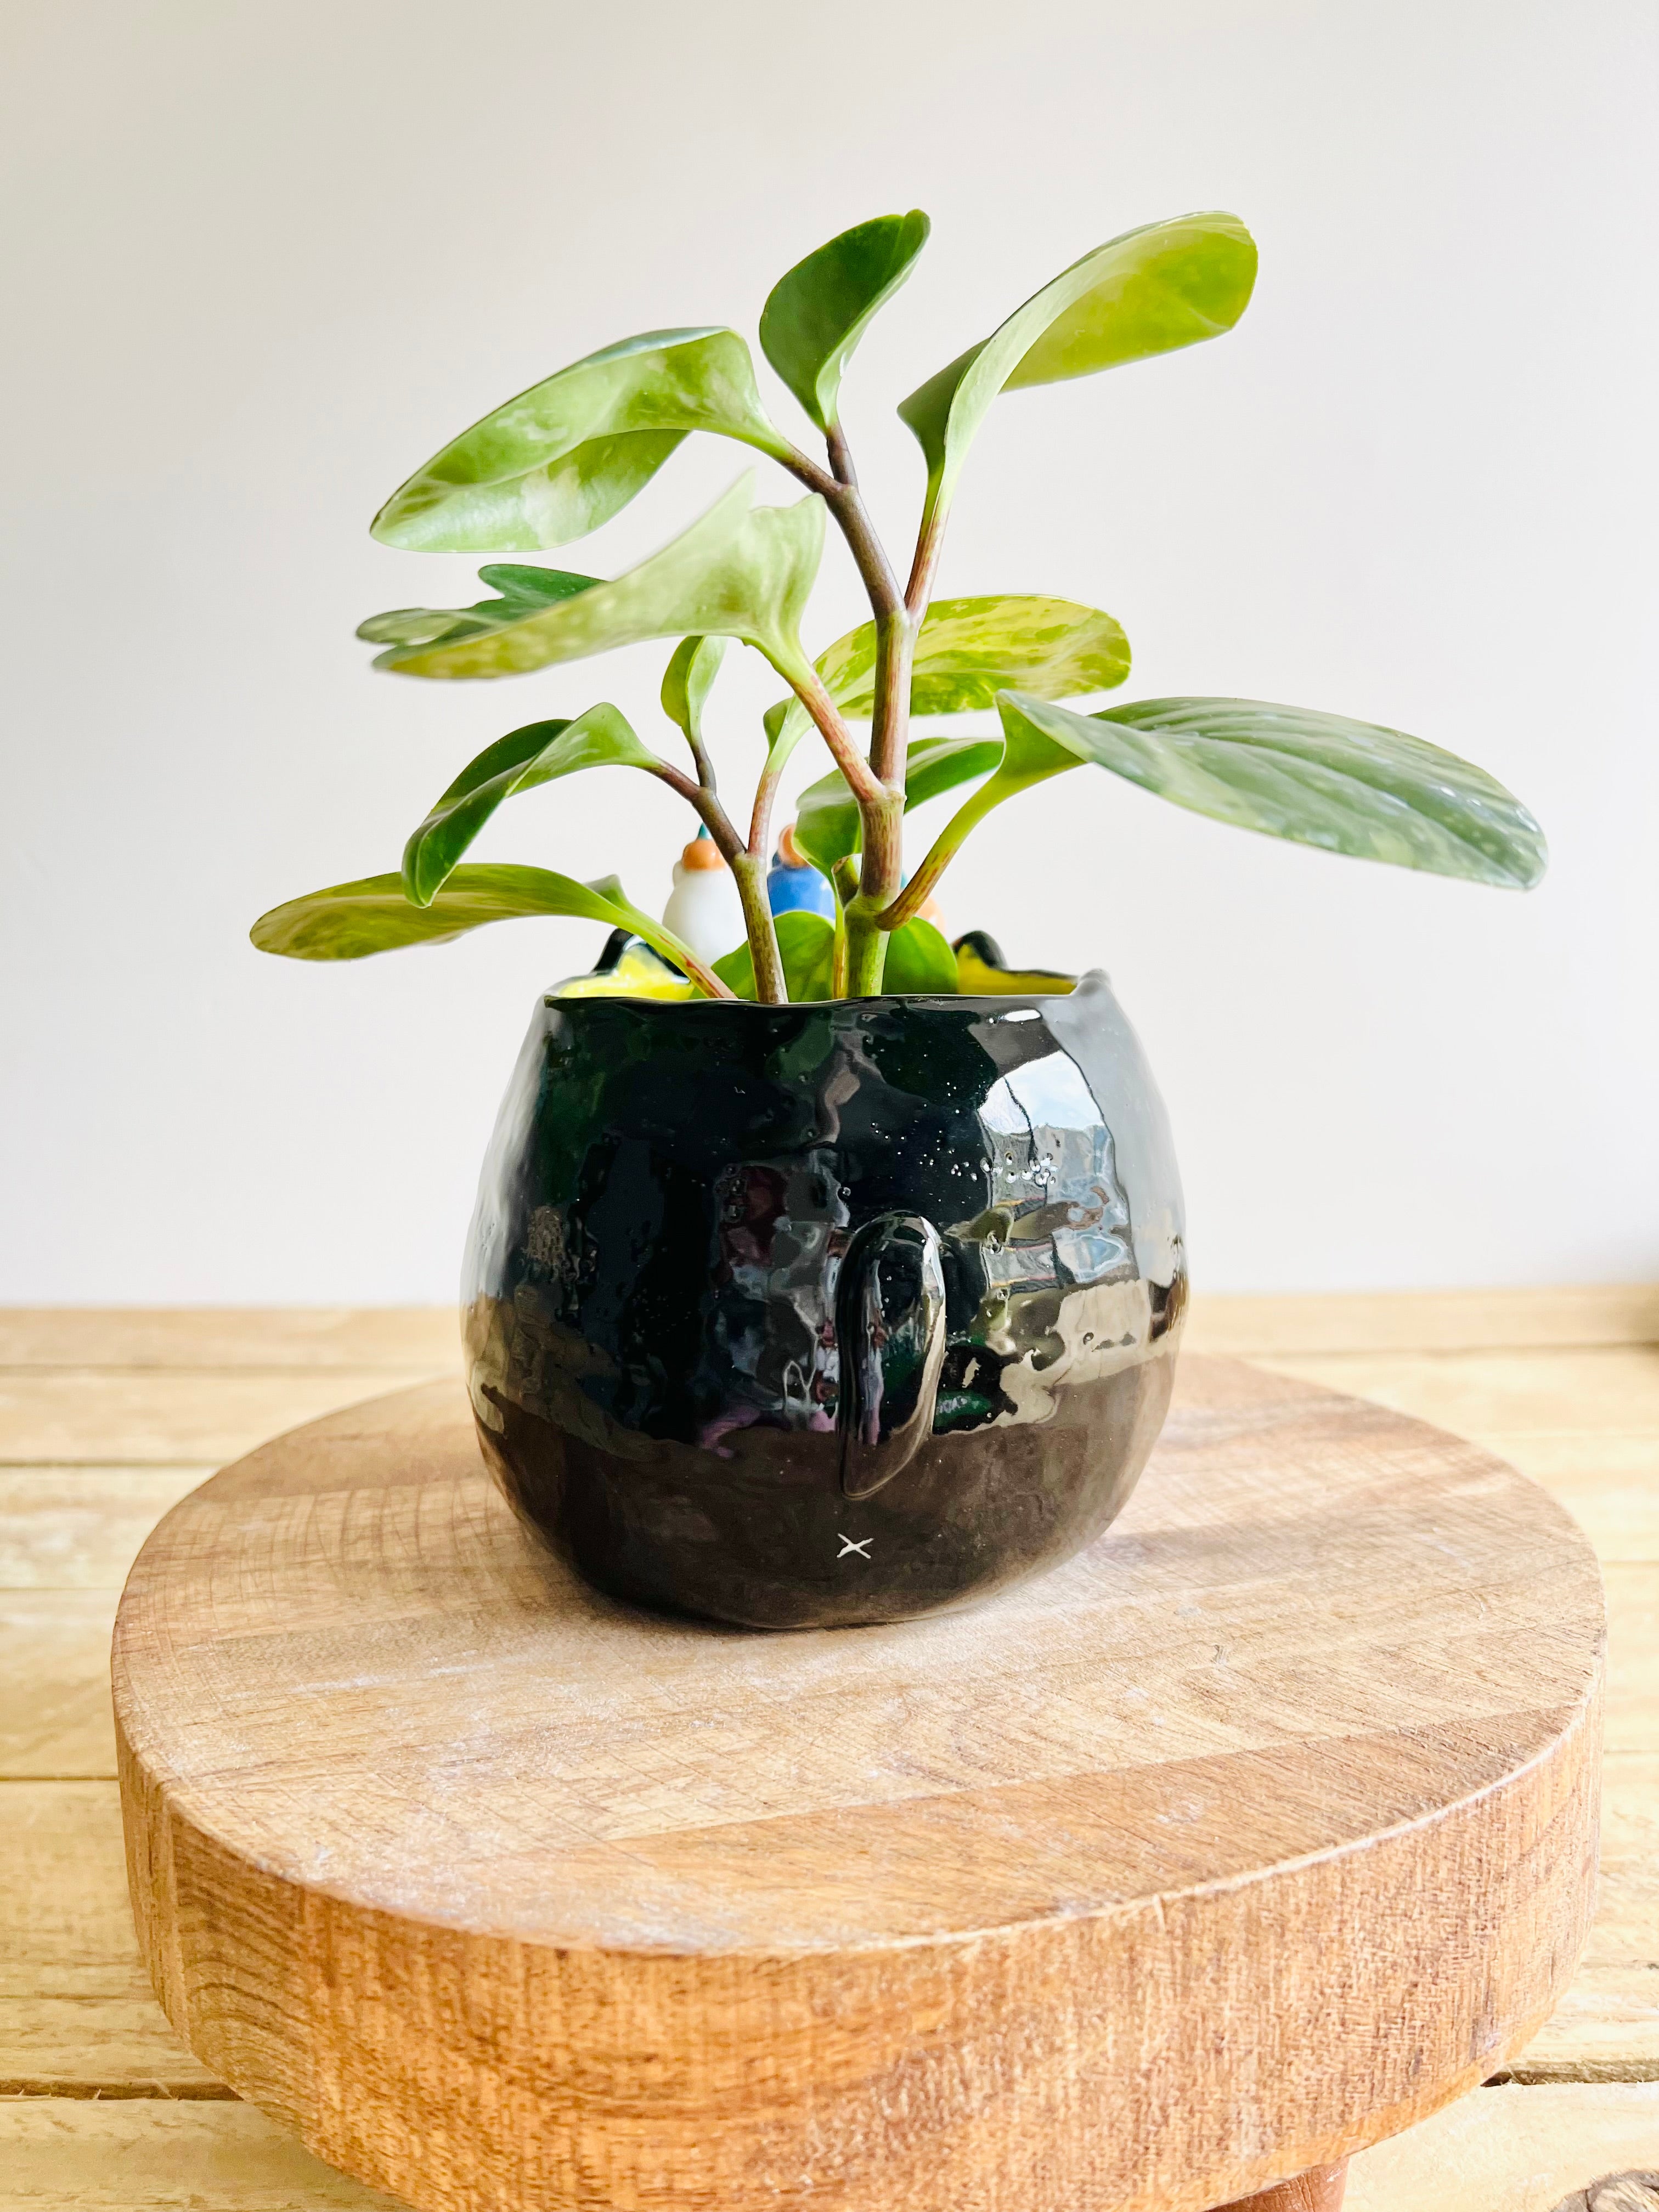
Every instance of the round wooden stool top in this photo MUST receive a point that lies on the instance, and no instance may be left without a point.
(1258, 1831)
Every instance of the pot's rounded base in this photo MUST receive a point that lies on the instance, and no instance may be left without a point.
(754, 1529)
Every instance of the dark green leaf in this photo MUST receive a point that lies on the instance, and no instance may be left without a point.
(528, 587)
(736, 572)
(806, 945)
(347, 921)
(827, 824)
(519, 597)
(919, 960)
(567, 455)
(816, 314)
(1350, 787)
(539, 753)
(1155, 289)
(687, 681)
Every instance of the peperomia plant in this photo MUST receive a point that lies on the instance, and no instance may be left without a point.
(564, 456)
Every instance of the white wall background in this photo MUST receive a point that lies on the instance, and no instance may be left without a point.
(261, 260)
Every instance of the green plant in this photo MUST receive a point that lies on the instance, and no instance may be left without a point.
(565, 456)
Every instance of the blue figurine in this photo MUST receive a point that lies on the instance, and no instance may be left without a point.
(793, 885)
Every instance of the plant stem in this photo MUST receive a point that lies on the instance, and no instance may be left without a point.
(677, 950)
(705, 978)
(880, 871)
(763, 929)
(841, 455)
(889, 730)
(845, 883)
(760, 821)
(915, 893)
(840, 493)
(701, 797)
(929, 540)
(804, 466)
(949, 842)
(880, 905)
(748, 866)
(881, 810)
(705, 766)
(861, 781)
(750, 870)
(895, 628)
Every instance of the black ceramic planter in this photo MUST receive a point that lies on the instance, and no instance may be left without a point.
(820, 1314)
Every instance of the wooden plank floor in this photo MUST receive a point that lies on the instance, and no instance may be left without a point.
(107, 1418)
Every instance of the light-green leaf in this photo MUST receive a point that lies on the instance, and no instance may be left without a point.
(968, 650)
(806, 945)
(1346, 786)
(565, 456)
(687, 682)
(539, 753)
(919, 960)
(736, 572)
(815, 314)
(827, 823)
(1167, 285)
(349, 921)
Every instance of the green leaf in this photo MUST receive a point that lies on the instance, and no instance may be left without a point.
(518, 596)
(1346, 787)
(347, 921)
(919, 960)
(539, 753)
(815, 316)
(570, 453)
(968, 650)
(827, 823)
(1167, 285)
(806, 944)
(736, 572)
(687, 682)
(531, 587)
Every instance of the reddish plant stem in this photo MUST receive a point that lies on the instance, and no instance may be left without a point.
(920, 589)
(701, 799)
(860, 779)
(841, 456)
(879, 906)
(760, 821)
(749, 873)
(705, 766)
(701, 974)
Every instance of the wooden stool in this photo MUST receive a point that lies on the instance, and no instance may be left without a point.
(1251, 1836)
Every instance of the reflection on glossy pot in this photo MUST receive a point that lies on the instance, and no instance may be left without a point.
(825, 1313)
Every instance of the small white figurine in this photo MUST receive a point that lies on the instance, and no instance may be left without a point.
(703, 908)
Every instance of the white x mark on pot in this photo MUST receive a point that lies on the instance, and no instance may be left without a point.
(862, 1546)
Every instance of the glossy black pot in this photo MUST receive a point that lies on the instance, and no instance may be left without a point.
(820, 1314)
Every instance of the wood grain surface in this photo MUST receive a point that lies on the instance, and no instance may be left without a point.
(1425, 1323)
(1321, 2189)
(1251, 1836)
(1510, 2150)
(112, 2042)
